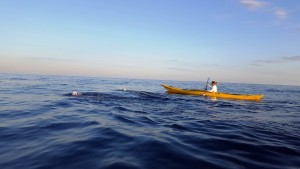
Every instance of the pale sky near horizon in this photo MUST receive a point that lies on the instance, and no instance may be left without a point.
(240, 41)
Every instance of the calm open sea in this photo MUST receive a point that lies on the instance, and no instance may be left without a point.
(42, 126)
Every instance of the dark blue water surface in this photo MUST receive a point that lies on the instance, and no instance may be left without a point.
(42, 126)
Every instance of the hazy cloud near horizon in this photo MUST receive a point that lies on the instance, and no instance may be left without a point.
(181, 69)
(43, 58)
(284, 59)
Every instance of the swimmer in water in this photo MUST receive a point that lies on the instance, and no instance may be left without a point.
(74, 93)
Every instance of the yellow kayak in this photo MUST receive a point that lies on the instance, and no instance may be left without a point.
(174, 90)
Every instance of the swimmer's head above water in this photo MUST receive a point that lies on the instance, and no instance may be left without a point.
(74, 93)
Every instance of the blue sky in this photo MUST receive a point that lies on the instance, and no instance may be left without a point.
(242, 41)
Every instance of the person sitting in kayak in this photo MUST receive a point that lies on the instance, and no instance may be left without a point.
(213, 86)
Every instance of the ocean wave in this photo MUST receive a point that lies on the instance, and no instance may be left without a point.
(106, 127)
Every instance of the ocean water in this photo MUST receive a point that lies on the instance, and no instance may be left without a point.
(134, 124)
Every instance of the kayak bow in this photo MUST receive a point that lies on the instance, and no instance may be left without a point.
(174, 90)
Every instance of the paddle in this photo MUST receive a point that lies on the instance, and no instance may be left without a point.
(207, 83)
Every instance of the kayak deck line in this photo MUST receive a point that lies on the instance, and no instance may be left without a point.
(174, 90)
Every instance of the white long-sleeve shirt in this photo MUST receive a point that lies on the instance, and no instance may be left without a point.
(214, 88)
